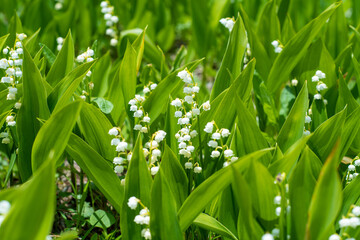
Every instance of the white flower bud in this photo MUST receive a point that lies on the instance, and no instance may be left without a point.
(187, 90)
(5, 51)
(215, 154)
(146, 119)
(4, 207)
(212, 144)
(197, 169)
(5, 140)
(315, 79)
(351, 167)
(121, 147)
(209, 127)
(267, 236)
(138, 114)
(195, 89)
(176, 102)
(225, 132)
(278, 211)
(185, 76)
(115, 141)
(335, 237)
(133, 108)
(118, 160)
(357, 162)
(80, 58)
(216, 136)
(182, 145)
(275, 43)
(178, 114)
(113, 131)
(146, 90)
(206, 106)
(189, 99)
(114, 19)
(317, 96)
(188, 165)
(113, 42)
(9, 118)
(144, 130)
(193, 133)
(119, 169)
(133, 202)
(103, 4)
(277, 200)
(307, 119)
(132, 102)
(228, 153)
(154, 170)
(195, 112)
(294, 82)
(153, 86)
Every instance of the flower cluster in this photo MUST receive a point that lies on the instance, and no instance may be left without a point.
(247, 55)
(12, 65)
(111, 21)
(228, 23)
(141, 117)
(351, 173)
(307, 121)
(153, 152)
(320, 85)
(86, 85)
(351, 220)
(143, 218)
(218, 137)
(4, 209)
(187, 110)
(278, 47)
(59, 42)
(121, 145)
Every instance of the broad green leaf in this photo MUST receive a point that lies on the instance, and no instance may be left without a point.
(246, 222)
(345, 97)
(138, 183)
(61, 94)
(54, 134)
(101, 219)
(335, 39)
(326, 200)
(263, 190)
(350, 135)
(33, 106)
(175, 176)
(63, 63)
(207, 222)
(15, 26)
(32, 205)
(201, 196)
(257, 48)
(232, 59)
(49, 55)
(251, 135)
(295, 49)
(289, 159)
(293, 128)
(301, 187)
(138, 46)
(104, 105)
(99, 170)
(3, 40)
(351, 194)
(151, 52)
(322, 141)
(31, 43)
(100, 75)
(95, 127)
(163, 222)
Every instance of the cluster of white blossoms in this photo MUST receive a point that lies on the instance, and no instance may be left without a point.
(5, 138)
(12, 65)
(278, 47)
(352, 173)
(59, 42)
(228, 23)
(307, 122)
(4, 209)
(348, 222)
(143, 218)
(111, 21)
(320, 84)
(87, 85)
(152, 151)
(142, 120)
(219, 137)
(123, 157)
(247, 55)
(187, 110)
